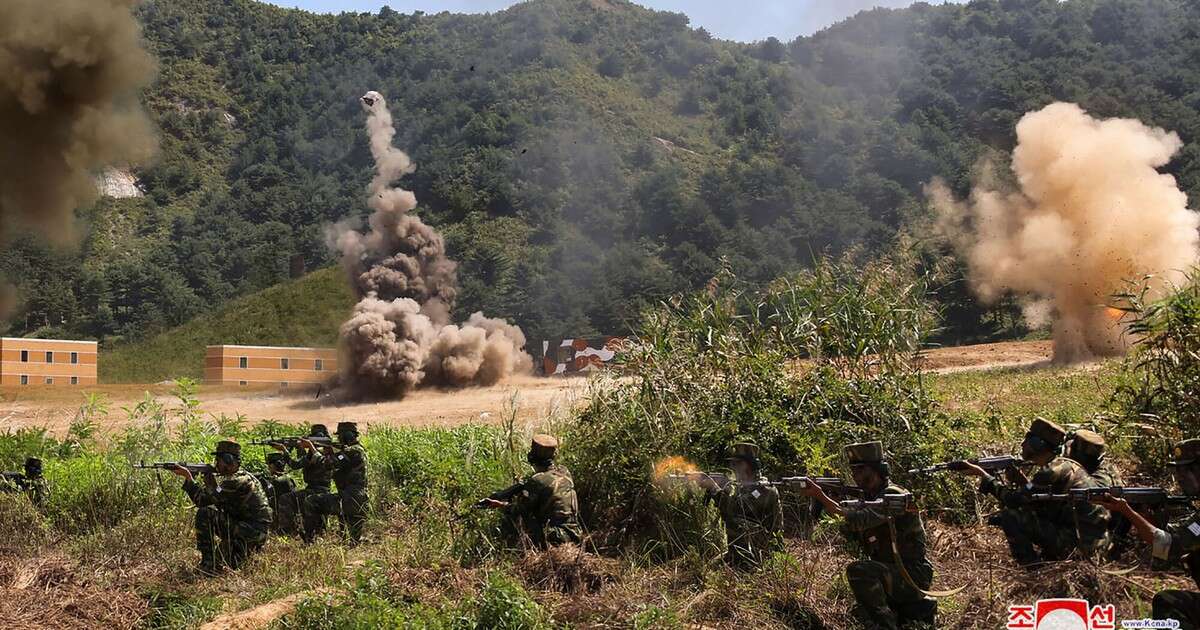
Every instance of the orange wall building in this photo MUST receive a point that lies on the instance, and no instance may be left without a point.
(47, 362)
(268, 365)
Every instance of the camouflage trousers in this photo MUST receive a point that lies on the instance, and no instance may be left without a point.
(884, 600)
(286, 511)
(1182, 606)
(517, 531)
(223, 541)
(1032, 539)
(349, 505)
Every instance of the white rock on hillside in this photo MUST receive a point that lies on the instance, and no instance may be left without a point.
(117, 183)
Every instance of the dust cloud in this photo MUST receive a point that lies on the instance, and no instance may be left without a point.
(1090, 214)
(399, 335)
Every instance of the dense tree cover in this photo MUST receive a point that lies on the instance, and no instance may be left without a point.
(584, 157)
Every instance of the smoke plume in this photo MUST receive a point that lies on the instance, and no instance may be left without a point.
(70, 74)
(1090, 213)
(399, 335)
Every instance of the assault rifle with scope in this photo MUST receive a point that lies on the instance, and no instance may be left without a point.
(989, 464)
(171, 466)
(888, 504)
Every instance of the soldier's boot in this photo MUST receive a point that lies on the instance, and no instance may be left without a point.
(918, 615)
(1182, 606)
(205, 523)
(868, 582)
(1020, 543)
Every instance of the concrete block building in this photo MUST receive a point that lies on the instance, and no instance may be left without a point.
(268, 365)
(47, 362)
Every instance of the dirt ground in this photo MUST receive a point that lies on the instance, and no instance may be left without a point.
(534, 398)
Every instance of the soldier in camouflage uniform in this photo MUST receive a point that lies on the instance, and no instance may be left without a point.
(1087, 448)
(1179, 541)
(348, 462)
(750, 509)
(884, 597)
(1039, 532)
(31, 483)
(316, 473)
(543, 507)
(232, 509)
(281, 494)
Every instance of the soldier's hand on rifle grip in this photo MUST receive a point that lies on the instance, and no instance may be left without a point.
(1015, 476)
(811, 489)
(1113, 504)
(968, 468)
(183, 472)
(490, 503)
(306, 445)
(279, 447)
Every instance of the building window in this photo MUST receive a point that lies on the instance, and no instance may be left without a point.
(24, 379)
(283, 363)
(49, 357)
(74, 380)
(283, 384)
(320, 366)
(242, 383)
(49, 380)
(24, 356)
(74, 357)
(242, 364)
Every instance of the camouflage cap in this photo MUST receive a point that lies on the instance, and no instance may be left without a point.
(864, 453)
(746, 451)
(347, 427)
(277, 458)
(318, 430)
(543, 447)
(1088, 443)
(1048, 431)
(1185, 453)
(229, 446)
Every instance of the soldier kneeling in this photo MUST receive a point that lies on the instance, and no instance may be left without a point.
(543, 506)
(233, 510)
(281, 495)
(887, 595)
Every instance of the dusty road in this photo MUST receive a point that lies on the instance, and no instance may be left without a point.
(533, 398)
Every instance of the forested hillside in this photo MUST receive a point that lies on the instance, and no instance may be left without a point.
(584, 157)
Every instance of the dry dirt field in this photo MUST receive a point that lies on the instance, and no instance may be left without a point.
(534, 397)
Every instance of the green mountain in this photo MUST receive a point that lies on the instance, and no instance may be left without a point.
(583, 157)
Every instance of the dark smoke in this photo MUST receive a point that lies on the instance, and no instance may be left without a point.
(399, 336)
(70, 74)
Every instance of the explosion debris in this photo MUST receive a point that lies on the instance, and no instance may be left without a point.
(1092, 213)
(399, 335)
(70, 74)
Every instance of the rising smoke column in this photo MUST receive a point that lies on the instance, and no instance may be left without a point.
(1091, 214)
(399, 335)
(70, 74)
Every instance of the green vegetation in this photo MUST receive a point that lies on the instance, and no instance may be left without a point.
(306, 311)
(585, 158)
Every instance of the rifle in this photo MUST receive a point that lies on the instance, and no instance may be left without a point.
(293, 443)
(170, 466)
(720, 479)
(888, 504)
(1151, 497)
(12, 476)
(990, 464)
(831, 485)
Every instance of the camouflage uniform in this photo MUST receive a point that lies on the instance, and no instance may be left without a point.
(1181, 541)
(1087, 448)
(543, 506)
(883, 598)
(317, 476)
(751, 513)
(350, 503)
(281, 496)
(31, 483)
(1049, 531)
(235, 511)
